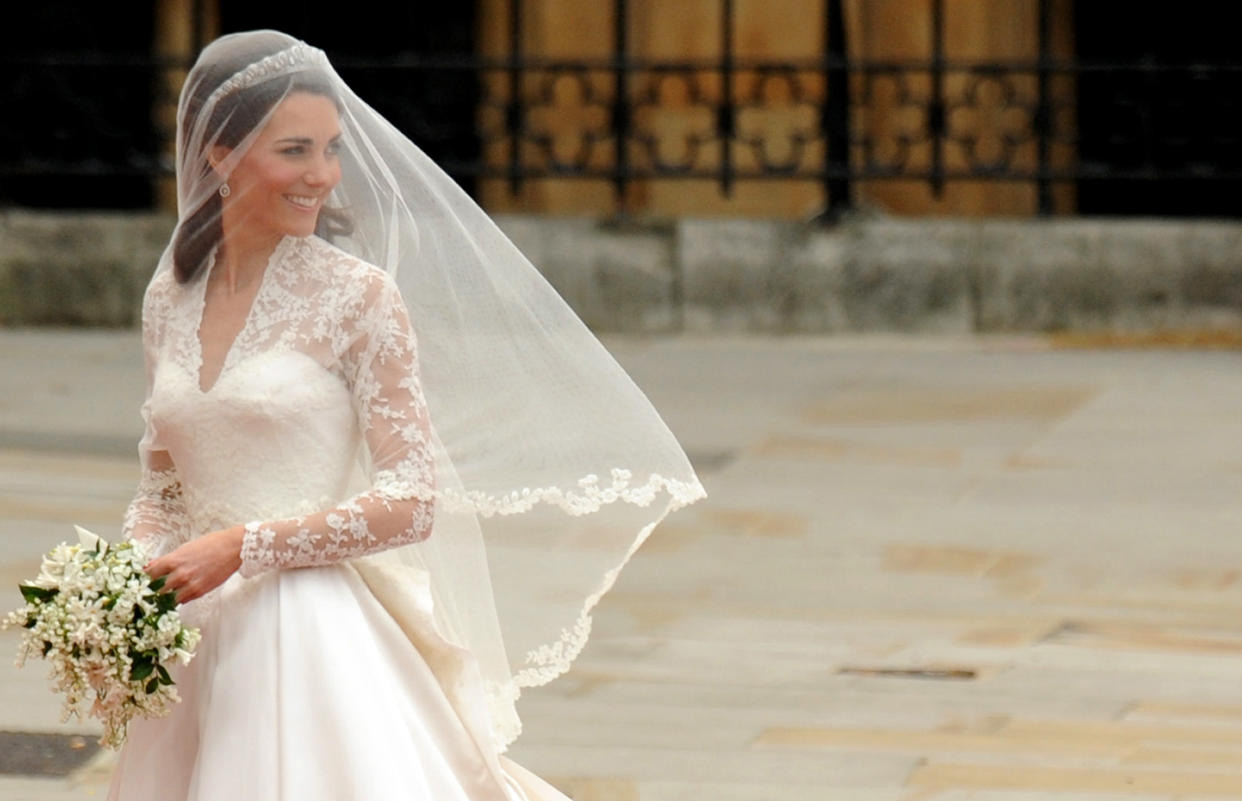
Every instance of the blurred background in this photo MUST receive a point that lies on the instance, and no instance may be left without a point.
(594, 130)
(779, 108)
(943, 297)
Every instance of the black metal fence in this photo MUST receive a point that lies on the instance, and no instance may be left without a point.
(1102, 126)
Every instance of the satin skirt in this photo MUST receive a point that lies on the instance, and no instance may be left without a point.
(305, 688)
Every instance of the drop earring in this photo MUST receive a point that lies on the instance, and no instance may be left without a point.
(224, 190)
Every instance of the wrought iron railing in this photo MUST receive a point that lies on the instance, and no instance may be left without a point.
(1046, 121)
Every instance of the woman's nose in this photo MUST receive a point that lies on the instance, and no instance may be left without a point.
(318, 173)
(315, 176)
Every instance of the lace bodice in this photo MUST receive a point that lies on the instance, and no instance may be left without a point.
(325, 363)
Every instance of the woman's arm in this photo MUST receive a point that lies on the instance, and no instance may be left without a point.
(156, 516)
(382, 367)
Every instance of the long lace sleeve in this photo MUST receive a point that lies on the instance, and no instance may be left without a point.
(398, 509)
(156, 515)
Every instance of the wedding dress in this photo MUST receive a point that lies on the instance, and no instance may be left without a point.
(439, 470)
(304, 686)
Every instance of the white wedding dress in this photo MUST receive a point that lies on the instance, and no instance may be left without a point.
(304, 686)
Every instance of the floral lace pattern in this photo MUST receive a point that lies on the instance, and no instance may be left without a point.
(349, 319)
(156, 516)
(297, 543)
(590, 497)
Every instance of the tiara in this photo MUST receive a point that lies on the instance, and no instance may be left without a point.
(300, 53)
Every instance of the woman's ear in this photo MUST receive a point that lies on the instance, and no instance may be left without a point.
(216, 157)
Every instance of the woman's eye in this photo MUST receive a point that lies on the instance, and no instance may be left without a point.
(296, 150)
(334, 148)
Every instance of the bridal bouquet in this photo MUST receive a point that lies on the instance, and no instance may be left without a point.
(107, 630)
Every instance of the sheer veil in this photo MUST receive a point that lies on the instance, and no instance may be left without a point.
(551, 466)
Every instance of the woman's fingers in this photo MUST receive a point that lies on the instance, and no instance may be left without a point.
(158, 567)
(185, 587)
(174, 581)
(194, 568)
(182, 593)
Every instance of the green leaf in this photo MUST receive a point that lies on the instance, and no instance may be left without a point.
(164, 677)
(166, 601)
(30, 623)
(152, 685)
(47, 647)
(158, 584)
(32, 593)
(143, 666)
(108, 604)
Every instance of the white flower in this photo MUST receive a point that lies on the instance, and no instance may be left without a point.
(92, 615)
(90, 539)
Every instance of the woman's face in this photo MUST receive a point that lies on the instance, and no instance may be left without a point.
(284, 178)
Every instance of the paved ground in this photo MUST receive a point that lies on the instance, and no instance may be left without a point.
(929, 570)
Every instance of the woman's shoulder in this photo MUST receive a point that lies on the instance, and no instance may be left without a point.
(344, 286)
(337, 268)
(341, 262)
(162, 283)
(161, 290)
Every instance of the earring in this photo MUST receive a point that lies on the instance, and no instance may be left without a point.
(224, 190)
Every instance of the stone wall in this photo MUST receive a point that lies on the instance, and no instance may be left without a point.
(85, 269)
(728, 275)
(892, 275)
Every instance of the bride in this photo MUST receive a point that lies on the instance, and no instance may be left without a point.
(386, 470)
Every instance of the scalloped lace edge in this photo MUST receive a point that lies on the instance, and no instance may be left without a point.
(590, 496)
(552, 660)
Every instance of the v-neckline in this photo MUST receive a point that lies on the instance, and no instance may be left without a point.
(246, 322)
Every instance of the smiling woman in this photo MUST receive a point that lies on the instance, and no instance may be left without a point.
(275, 189)
(278, 185)
(343, 554)
(285, 116)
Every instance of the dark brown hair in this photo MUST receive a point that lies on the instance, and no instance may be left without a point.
(234, 116)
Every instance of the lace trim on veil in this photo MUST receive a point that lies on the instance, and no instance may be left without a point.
(554, 659)
(589, 496)
(550, 660)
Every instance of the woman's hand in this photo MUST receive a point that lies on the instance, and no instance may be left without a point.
(201, 565)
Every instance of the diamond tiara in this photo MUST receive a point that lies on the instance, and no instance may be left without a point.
(274, 64)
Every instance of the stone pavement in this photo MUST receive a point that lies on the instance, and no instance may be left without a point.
(929, 570)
